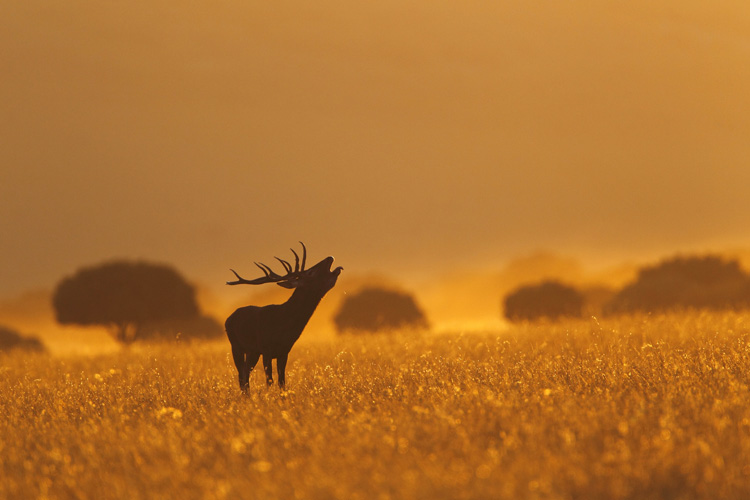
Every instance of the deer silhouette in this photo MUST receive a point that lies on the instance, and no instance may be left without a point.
(271, 331)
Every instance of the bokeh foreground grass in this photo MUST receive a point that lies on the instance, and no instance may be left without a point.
(652, 407)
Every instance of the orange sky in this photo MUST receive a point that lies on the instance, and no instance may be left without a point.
(401, 135)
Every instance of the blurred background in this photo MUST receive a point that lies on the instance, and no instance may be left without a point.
(452, 148)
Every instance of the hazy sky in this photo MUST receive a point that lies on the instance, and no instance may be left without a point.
(401, 135)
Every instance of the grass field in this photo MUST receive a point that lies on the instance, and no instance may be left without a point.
(651, 407)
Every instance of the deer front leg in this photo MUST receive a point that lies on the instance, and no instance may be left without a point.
(243, 373)
(281, 369)
(267, 366)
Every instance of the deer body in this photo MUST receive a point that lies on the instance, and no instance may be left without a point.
(272, 330)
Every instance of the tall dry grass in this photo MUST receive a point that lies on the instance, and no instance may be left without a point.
(649, 407)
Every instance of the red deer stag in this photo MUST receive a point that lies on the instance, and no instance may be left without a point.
(272, 330)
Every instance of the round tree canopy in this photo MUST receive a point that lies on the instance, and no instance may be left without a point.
(10, 339)
(373, 309)
(708, 282)
(549, 299)
(124, 294)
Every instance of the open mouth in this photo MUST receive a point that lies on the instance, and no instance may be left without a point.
(336, 271)
(325, 265)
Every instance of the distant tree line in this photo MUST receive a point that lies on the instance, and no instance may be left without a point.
(680, 283)
(142, 301)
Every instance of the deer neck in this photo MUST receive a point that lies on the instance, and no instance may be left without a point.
(301, 306)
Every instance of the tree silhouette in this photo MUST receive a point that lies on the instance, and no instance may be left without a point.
(549, 299)
(125, 296)
(372, 309)
(708, 282)
(11, 339)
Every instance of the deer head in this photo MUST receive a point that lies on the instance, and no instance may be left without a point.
(319, 277)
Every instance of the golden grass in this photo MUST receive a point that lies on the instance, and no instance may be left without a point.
(638, 408)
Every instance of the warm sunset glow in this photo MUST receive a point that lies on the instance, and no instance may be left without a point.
(395, 136)
(539, 218)
(425, 142)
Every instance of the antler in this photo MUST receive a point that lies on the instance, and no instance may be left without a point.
(272, 277)
(296, 258)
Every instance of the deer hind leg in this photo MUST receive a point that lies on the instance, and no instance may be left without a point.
(281, 369)
(267, 360)
(251, 359)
